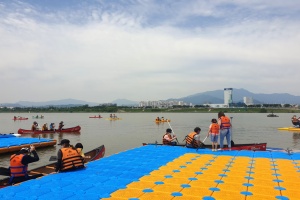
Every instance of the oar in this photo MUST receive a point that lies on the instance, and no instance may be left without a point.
(201, 143)
(173, 131)
(53, 158)
(232, 143)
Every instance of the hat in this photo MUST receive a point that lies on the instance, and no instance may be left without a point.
(169, 130)
(24, 150)
(64, 141)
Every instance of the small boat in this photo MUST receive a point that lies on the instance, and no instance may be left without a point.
(251, 146)
(289, 128)
(92, 155)
(38, 117)
(20, 118)
(112, 119)
(65, 130)
(272, 115)
(165, 120)
(95, 117)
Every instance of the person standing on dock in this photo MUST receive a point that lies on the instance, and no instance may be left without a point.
(225, 126)
(168, 138)
(68, 158)
(19, 165)
(214, 130)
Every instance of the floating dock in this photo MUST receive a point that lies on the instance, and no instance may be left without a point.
(11, 143)
(168, 172)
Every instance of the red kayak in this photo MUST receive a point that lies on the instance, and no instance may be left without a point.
(65, 130)
(20, 118)
(96, 117)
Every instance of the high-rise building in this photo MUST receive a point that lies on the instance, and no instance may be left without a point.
(248, 101)
(228, 96)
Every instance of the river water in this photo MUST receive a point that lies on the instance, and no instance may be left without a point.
(135, 128)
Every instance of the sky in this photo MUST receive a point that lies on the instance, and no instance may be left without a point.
(103, 50)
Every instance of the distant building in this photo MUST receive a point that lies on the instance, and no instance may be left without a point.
(248, 101)
(227, 96)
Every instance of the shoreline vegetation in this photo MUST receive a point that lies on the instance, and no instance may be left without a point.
(128, 109)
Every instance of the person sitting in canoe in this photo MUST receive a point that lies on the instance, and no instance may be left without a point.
(19, 165)
(79, 148)
(45, 127)
(35, 126)
(168, 138)
(193, 139)
(52, 127)
(157, 119)
(68, 158)
(296, 121)
(60, 125)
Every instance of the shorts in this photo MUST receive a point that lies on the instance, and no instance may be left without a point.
(214, 137)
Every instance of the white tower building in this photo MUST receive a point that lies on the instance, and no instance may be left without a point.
(227, 96)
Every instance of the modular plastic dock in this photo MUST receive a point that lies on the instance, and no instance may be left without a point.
(167, 172)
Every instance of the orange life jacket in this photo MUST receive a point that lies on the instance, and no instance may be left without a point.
(190, 139)
(225, 122)
(166, 141)
(16, 166)
(71, 159)
(215, 128)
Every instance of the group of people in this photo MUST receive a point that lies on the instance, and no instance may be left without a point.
(220, 127)
(162, 119)
(35, 126)
(296, 121)
(68, 158)
(113, 116)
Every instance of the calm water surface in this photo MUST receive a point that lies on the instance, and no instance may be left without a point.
(136, 128)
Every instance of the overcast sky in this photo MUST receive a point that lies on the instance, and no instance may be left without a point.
(100, 51)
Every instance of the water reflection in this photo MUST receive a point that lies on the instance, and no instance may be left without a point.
(296, 139)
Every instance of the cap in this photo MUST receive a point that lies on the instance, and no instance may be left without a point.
(64, 141)
(169, 130)
(24, 150)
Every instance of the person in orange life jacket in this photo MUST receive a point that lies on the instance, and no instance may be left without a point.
(225, 126)
(193, 138)
(214, 130)
(79, 148)
(19, 165)
(168, 138)
(68, 158)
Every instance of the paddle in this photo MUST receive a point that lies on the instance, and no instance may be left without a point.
(202, 143)
(4, 171)
(232, 143)
(53, 158)
(173, 132)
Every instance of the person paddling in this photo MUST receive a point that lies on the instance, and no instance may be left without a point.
(168, 138)
(19, 165)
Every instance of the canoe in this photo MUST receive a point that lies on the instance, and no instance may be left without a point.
(95, 117)
(252, 146)
(167, 120)
(39, 117)
(113, 119)
(272, 115)
(37, 145)
(289, 129)
(20, 118)
(65, 130)
(94, 154)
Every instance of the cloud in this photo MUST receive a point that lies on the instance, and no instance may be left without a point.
(146, 50)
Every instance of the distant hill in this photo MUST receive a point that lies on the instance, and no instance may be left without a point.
(209, 97)
(217, 97)
(125, 102)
